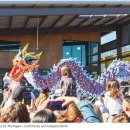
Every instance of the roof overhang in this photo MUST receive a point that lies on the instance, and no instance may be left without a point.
(62, 16)
(63, 11)
(65, 2)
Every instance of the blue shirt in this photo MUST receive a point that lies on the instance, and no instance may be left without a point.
(88, 112)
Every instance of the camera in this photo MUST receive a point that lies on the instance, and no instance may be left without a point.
(27, 98)
(56, 105)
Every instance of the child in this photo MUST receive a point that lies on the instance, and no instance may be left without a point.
(67, 83)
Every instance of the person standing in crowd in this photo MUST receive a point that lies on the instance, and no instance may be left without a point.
(44, 94)
(16, 113)
(126, 105)
(43, 116)
(7, 79)
(67, 83)
(123, 117)
(18, 96)
(113, 99)
(5, 94)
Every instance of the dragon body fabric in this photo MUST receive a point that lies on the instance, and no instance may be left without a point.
(26, 64)
(118, 69)
(84, 83)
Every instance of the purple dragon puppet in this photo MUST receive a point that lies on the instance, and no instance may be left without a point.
(118, 69)
(85, 83)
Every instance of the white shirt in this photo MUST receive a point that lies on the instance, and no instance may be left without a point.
(113, 105)
(101, 106)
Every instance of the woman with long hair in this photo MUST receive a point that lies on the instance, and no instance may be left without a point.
(16, 113)
(113, 98)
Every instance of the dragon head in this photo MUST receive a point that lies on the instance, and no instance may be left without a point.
(24, 62)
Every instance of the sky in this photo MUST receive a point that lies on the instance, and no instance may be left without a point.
(109, 37)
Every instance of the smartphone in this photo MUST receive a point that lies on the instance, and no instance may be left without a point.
(56, 105)
(27, 98)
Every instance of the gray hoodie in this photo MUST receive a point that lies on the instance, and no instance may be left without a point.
(68, 86)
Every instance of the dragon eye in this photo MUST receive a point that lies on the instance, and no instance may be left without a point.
(29, 62)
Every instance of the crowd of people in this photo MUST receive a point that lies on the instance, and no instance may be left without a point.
(21, 105)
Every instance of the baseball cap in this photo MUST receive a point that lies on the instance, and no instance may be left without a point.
(18, 93)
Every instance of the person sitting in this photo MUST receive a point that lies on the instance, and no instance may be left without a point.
(67, 83)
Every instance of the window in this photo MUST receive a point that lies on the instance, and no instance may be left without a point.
(94, 58)
(126, 53)
(75, 51)
(87, 53)
(10, 50)
(105, 65)
(67, 52)
(126, 59)
(83, 55)
(108, 37)
(109, 53)
(107, 58)
(93, 53)
(125, 48)
(9, 46)
(93, 48)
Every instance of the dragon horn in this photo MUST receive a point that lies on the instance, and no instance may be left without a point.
(25, 48)
(37, 56)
